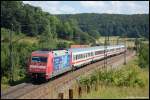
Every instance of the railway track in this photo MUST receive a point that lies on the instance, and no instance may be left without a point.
(29, 90)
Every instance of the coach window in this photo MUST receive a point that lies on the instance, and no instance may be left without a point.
(95, 52)
(74, 57)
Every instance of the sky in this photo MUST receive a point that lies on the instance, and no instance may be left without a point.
(111, 7)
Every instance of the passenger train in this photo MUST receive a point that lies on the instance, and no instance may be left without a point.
(48, 64)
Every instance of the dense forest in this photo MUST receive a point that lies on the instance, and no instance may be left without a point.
(23, 20)
(136, 25)
(33, 21)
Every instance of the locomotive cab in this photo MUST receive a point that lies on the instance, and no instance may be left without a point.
(39, 66)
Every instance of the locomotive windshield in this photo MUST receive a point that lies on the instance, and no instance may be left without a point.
(39, 59)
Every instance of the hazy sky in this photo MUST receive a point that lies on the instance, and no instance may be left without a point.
(72, 7)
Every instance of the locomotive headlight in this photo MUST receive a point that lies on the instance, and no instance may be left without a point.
(42, 67)
(36, 66)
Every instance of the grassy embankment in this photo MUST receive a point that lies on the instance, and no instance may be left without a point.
(129, 82)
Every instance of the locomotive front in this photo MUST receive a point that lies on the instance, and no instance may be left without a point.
(39, 66)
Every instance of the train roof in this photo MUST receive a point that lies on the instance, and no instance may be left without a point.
(58, 52)
(95, 48)
(78, 49)
(41, 52)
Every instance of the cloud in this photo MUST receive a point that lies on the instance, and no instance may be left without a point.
(54, 7)
(130, 7)
(67, 9)
(92, 3)
(117, 7)
(71, 7)
(45, 5)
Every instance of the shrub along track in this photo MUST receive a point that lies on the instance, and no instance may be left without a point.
(39, 91)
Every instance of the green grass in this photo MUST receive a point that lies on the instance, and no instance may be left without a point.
(30, 40)
(113, 91)
(4, 84)
(113, 40)
(130, 42)
(4, 87)
(62, 40)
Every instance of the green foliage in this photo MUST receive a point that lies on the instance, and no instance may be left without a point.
(143, 55)
(94, 33)
(20, 51)
(62, 45)
(93, 79)
(32, 21)
(127, 76)
(113, 24)
(85, 81)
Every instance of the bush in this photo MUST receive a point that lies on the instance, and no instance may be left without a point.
(143, 55)
(5, 80)
(62, 45)
(127, 76)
